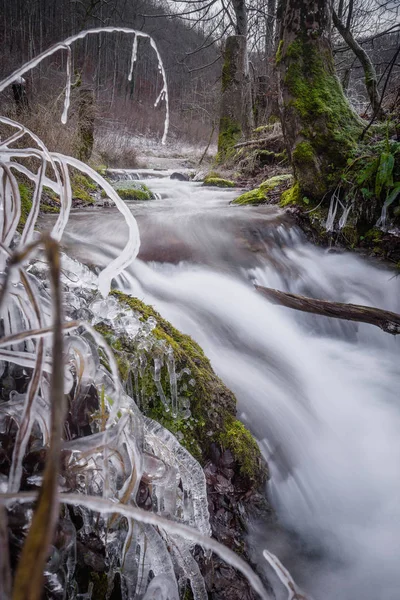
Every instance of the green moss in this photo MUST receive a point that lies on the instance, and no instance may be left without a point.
(278, 56)
(229, 68)
(243, 446)
(275, 181)
(82, 188)
(26, 203)
(303, 152)
(291, 196)
(330, 127)
(256, 196)
(25, 192)
(49, 209)
(82, 180)
(230, 133)
(101, 170)
(50, 193)
(212, 405)
(100, 585)
(260, 194)
(135, 192)
(218, 182)
(263, 129)
(350, 234)
(374, 235)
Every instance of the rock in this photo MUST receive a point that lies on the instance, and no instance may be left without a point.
(269, 191)
(218, 182)
(233, 466)
(180, 176)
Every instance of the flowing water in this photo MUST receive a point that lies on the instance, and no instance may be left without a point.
(319, 394)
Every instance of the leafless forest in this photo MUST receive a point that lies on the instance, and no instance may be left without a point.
(191, 36)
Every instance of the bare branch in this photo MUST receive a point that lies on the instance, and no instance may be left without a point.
(384, 319)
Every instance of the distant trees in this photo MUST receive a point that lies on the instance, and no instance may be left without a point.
(371, 32)
(26, 29)
(212, 78)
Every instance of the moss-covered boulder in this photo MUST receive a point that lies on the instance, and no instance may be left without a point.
(134, 191)
(217, 181)
(212, 405)
(263, 194)
(131, 190)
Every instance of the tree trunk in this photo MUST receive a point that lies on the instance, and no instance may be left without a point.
(319, 126)
(239, 6)
(371, 82)
(86, 124)
(236, 117)
(269, 36)
(20, 96)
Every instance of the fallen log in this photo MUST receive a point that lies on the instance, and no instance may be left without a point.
(384, 319)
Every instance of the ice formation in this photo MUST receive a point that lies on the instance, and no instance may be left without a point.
(125, 476)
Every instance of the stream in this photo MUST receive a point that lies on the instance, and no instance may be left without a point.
(320, 395)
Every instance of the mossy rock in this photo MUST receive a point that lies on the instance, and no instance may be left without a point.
(260, 194)
(134, 191)
(212, 404)
(218, 182)
(291, 196)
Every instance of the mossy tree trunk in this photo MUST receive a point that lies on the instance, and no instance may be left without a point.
(319, 126)
(236, 118)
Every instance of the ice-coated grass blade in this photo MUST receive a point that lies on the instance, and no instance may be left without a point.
(28, 580)
(107, 507)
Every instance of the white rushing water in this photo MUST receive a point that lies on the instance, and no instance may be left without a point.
(320, 395)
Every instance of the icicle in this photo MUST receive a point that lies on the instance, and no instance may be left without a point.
(131, 249)
(133, 57)
(104, 507)
(344, 217)
(79, 36)
(190, 568)
(172, 382)
(164, 92)
(333, 206)
(64, 116)
(158, 363)
(381, 222)
(294, 592)
(162, 587)
(165, 445)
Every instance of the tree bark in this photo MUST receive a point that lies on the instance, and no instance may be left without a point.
(319, 126)
(20, 96)
(371, 82)
(239, 6)
(86, 117)
(384, 319)
(236, 117)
